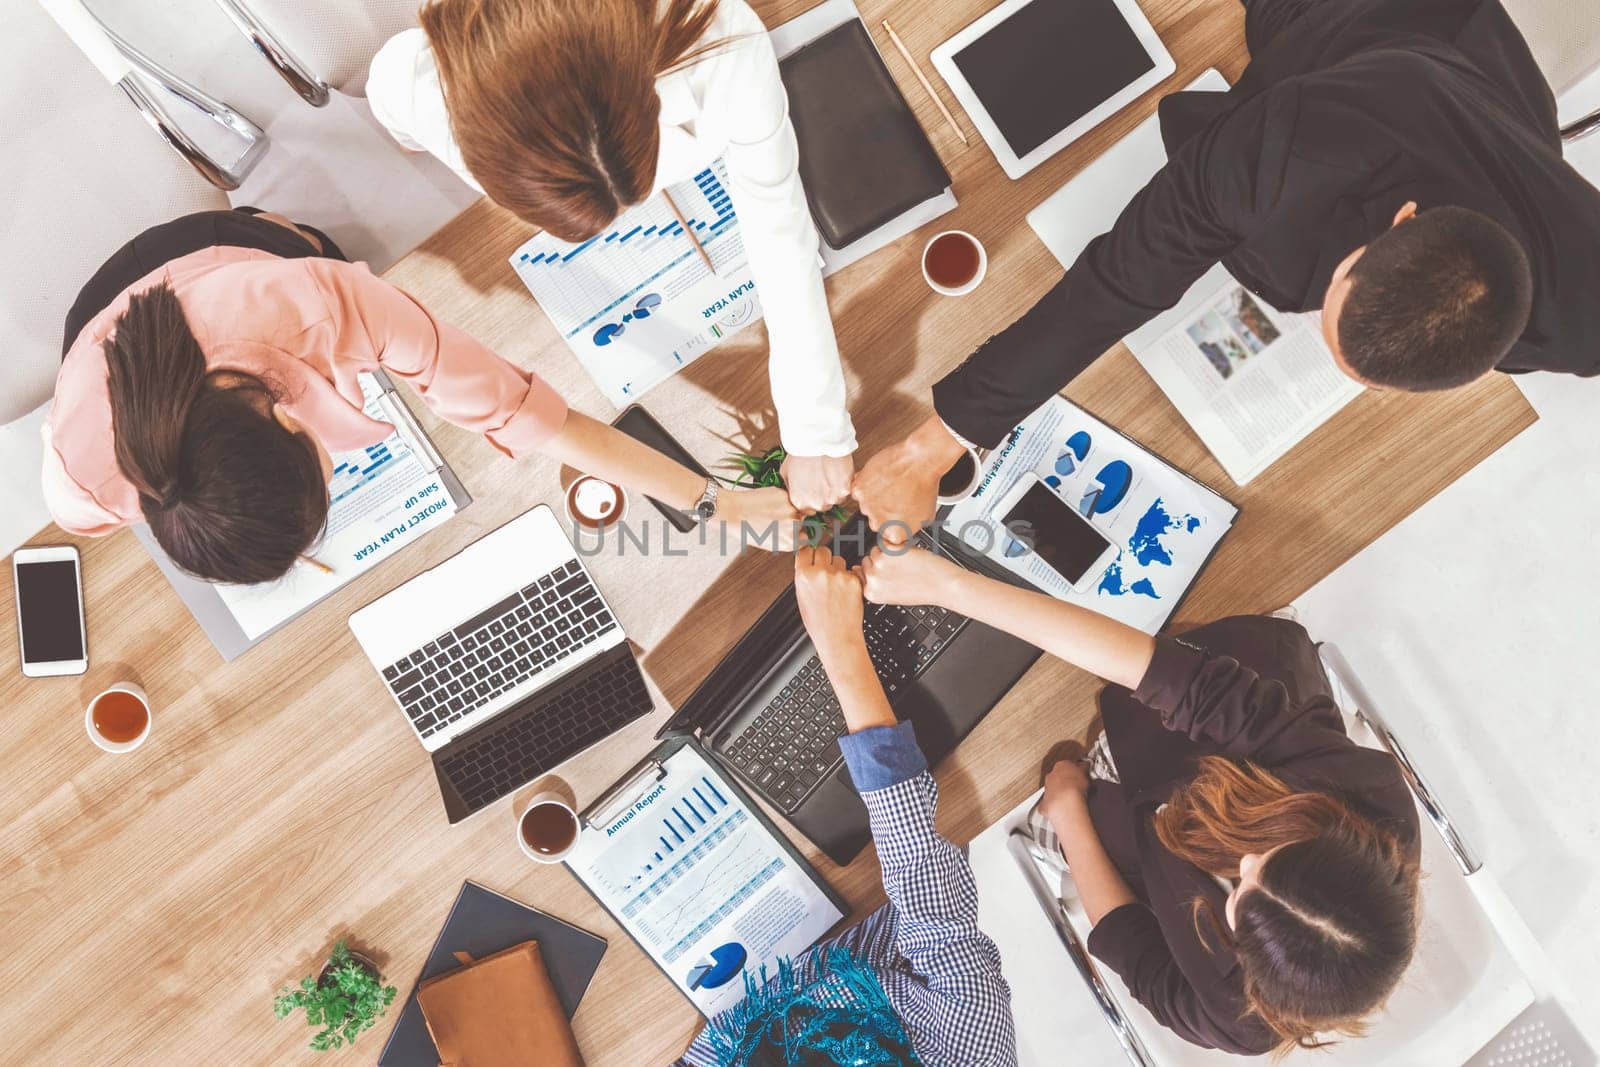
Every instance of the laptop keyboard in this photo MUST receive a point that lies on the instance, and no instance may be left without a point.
(485, 765)
(498, 649)
(793, 742)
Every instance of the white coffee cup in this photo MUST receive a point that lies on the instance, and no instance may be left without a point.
(973, 282)
(119, 746)
(554, 801)
(594, 502)
(954, 489)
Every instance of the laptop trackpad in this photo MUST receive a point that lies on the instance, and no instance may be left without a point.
(834, 817)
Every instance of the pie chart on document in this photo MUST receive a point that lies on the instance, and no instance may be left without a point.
(1074, 452)
(1107, 490)
(720, 967)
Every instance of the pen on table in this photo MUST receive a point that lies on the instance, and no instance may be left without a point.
(399, 416)
(923, 78)
(698, 247)
(317, 563)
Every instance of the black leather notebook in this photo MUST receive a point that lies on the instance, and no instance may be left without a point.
(481, 923)
(863, 157)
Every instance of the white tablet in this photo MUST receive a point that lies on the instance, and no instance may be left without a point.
(1035, 75)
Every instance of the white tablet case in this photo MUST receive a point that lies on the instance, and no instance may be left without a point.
(944, 62)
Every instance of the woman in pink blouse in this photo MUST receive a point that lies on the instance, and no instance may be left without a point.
(212, 365)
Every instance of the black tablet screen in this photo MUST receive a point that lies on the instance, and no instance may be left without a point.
(1050, 64)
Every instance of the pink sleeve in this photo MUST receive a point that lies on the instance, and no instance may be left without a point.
(460, 379)
(73, 507)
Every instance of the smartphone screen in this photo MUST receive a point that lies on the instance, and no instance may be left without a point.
(47, 600)
(1060, 536)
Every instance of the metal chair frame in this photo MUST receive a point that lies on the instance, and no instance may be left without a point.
(141, 85)
(1022, 851)
(308, 86)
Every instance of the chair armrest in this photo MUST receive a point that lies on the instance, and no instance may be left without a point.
(1335, 664)
(1574, 131)
(310, 88)
(1121, 1026)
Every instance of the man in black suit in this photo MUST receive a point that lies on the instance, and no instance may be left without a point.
(1396, 163)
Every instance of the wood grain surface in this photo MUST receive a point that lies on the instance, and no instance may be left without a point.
(152, 903)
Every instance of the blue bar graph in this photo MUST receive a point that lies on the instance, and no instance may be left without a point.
(353, 470)
(686, 831)
(592, 290)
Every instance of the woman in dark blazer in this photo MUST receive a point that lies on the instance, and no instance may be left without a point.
(1252, 876)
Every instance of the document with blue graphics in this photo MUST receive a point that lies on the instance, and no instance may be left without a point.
(1253, 381)
(699, 878)
(638, 303)
(1165, 523)
(380, 499)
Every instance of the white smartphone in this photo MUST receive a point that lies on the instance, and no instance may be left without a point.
(1049, 528)
(49, 595)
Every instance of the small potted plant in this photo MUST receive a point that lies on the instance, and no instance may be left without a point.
(345, 998)
(764, 470)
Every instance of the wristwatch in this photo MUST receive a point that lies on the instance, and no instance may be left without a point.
(705, 509)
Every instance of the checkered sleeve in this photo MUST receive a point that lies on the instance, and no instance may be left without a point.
(957, 1006)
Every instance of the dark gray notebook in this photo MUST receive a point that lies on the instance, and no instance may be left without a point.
(480, 923)
(864, 160)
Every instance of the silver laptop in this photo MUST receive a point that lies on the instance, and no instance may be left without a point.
(505, 659)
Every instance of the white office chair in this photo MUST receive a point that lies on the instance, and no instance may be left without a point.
(82, 173)
(1477, 994)
(1565, 38)
(318, 46)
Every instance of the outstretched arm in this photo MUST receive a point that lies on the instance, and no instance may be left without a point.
(1104, 647)
(961, 1005)
(1195, 211)
(606, 452)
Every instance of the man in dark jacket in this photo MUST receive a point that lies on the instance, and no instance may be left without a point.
(1396, 163)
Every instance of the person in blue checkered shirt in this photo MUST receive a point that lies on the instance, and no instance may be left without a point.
(916, 982)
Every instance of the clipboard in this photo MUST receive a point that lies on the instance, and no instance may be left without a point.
(206, 604)
(718, 963)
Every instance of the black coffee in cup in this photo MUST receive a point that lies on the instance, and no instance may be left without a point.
(957, 481)
(549, 829)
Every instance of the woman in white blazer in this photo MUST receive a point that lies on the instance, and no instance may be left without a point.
(567, 112)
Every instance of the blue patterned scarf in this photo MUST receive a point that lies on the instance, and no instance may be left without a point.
(783, 1024)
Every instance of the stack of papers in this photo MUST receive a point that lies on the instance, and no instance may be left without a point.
(695, 877)
(382, 498)
(1166, 524)
(636, 303)
(1253, 381)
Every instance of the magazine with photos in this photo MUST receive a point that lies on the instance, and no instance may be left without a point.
(1252, 381)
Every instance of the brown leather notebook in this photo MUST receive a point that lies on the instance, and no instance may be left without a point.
(500, 1011)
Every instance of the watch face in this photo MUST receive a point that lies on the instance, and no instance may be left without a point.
(705, 509)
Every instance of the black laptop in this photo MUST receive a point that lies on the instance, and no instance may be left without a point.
(768, 714)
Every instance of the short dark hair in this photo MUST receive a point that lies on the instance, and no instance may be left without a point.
(1435, 302)
(229, 493)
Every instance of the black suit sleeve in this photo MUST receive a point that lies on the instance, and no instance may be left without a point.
(1216, 701)
(1197, 208)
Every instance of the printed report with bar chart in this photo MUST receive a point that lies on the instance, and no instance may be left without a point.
(637, 303)
(702, 882)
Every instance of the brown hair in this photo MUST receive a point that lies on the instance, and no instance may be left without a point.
(1326, 934)
(230, 494)
(553, 102)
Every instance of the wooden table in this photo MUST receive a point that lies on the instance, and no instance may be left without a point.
(152, 903)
